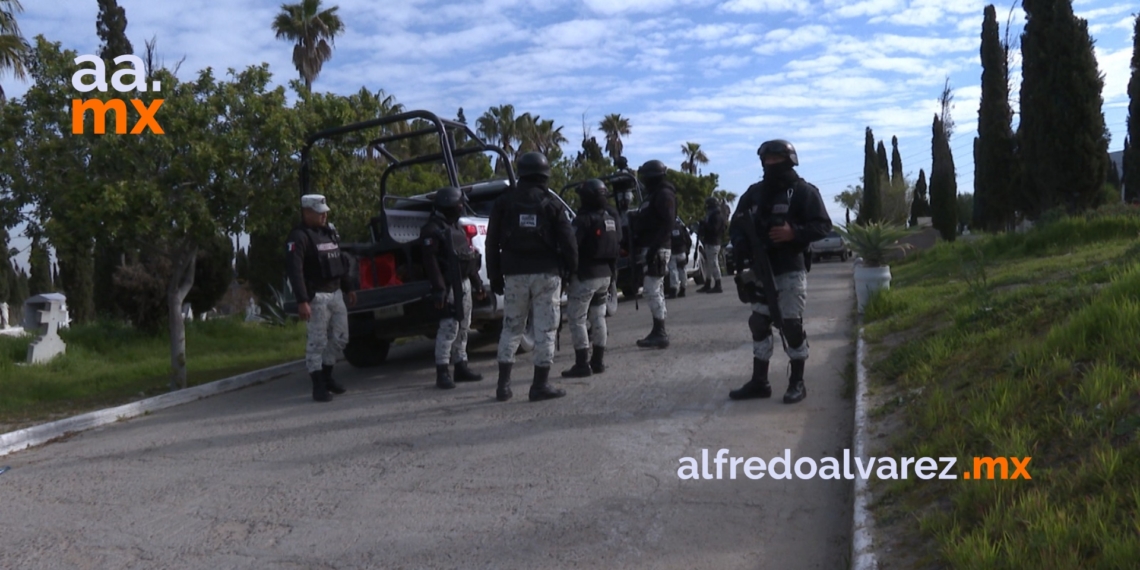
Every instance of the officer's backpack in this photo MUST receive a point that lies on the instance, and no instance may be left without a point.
(527, 227)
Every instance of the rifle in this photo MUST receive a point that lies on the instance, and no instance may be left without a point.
(760, 269)
(697, 251)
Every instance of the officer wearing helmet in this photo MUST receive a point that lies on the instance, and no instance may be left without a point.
(711, 232)
(653, 231)
(681, 242)
(452, 267)
(598, 230)
(787, 214)
(319, 275)
(530, 245)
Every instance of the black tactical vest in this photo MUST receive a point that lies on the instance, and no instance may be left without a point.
(602, 239)
(325, 249)
(527, 228)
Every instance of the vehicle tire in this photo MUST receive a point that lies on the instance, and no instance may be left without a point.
(367, 351)
(699, 277)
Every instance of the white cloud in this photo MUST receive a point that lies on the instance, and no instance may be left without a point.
(763, 6)
(854, 9)
(725, 61)
(932, 12)
(789, 40)
(1116, 67)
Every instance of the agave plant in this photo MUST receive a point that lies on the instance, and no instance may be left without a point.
(273, 310)
(874, 242)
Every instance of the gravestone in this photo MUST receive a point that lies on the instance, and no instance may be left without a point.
(4, 316)
(43, 315)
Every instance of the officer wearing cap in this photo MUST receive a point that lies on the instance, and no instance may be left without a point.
(319, 275)
(787, 214)
(598, 230)
(530, 245)
(452, 267)
(711, 232)
(653, 230)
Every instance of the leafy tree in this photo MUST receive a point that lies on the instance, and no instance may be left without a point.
(943, 183)
(872, 209)
(312, 31)
(693, 156)
(540, 136)
(919, 207)
(18, 290)
(1063, 137)
(213, 274)
(851, 199)
(614, 126)
(1132, 142)
(498, 125)
(39, 282)
(691, 192)
(994, 162)
(111, 26)
(13, 47)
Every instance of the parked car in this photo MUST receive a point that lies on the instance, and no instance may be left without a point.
(831, 246)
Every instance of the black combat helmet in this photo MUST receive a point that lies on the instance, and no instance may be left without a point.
(652, 170)
(779, 147)
(448, 201)
(711, 202)
(593, 193)
(533, 165)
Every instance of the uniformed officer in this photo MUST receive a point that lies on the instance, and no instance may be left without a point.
(681, 242)
(788, 214)
(598, 230)
(319, 275)
(530, 245)
(653, 230)
(711, 232)
(452, 267)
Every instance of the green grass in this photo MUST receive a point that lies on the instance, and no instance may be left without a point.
(1019, 345)
(108, 364)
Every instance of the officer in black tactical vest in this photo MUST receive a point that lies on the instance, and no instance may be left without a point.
(711, 232)
(599, 230)
(786, 214)
(530, 245)
(681, 242)
(653, 230)
(319, 275)
(452, 267)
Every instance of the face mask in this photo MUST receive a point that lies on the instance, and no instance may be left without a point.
(777, 170)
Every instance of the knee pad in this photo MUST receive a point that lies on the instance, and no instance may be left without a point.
(794, 332)
(760, 325)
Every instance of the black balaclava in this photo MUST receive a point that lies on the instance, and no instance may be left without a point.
(782, 173)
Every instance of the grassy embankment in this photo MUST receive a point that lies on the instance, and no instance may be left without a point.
(110, 364)
(1017, 345)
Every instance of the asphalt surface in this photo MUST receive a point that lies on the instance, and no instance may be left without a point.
(398, 474)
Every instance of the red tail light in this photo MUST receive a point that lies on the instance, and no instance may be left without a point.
(471, 232)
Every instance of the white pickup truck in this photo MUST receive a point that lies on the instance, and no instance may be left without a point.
(830, 246)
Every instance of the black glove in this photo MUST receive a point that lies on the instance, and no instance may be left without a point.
(498, 284)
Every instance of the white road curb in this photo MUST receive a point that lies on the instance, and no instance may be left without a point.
(36, 435)
(862, 547)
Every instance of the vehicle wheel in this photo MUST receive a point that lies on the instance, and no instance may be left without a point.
(699, 277)
(367, 351)
(843, 256)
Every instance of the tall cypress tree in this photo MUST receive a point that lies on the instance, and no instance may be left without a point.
(897, 181)
(1063, 137)
(943, 185)
(39, 281)
(994, 159)
(919, 207)
(111, 25)
(1132, 142)
(871, 209)
(5, 268)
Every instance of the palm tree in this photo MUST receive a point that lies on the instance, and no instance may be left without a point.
(693, 156)
(312, 31)
(535, 134)
(614, 126)
(850, 199)
(724, 196)
(13, 48)
(498, 125)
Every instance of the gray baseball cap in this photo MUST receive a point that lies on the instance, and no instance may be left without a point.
(314, 202)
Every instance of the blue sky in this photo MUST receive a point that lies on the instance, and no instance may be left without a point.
(727, 74)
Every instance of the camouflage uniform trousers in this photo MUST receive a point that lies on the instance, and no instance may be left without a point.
(792, 290)
(451, 339)
(579, 306)
(328, 330)
(678, 278)
(711, 259)
(521, 294)
(655, 286)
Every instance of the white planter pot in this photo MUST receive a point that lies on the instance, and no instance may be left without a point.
(868, 280)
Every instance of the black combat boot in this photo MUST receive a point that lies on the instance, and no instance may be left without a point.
(333, 387)
(758, 386)
(657, 338)
(581, 368)
(464, 374)
(670, 293)
(320, 389)
(681, 293)
(796, 390)
(540, 389)
(597, 361)
(716, 288)
(707, 287)
(443, 377)
(503, 392)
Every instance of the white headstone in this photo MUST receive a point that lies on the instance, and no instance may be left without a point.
(4, 316)
(253, 312)
(43, 315)
(187, 312)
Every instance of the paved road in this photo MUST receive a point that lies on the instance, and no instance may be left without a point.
(397, 474)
